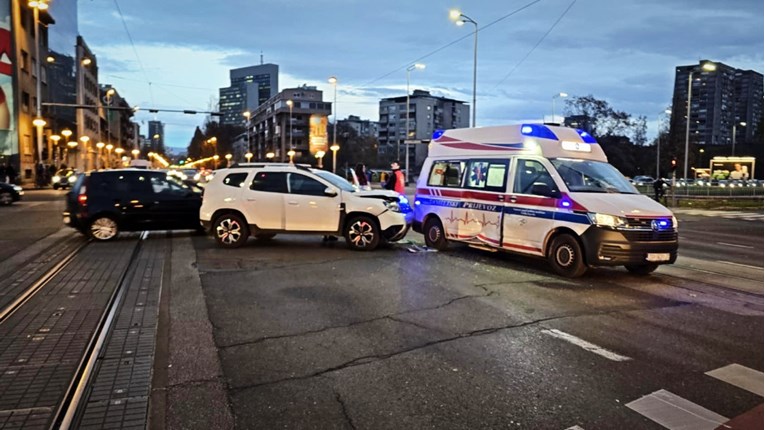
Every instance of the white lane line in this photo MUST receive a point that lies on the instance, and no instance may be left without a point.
(740, 376)
(739, 264)
(574, 428)
(586, 345)
(734, 245)
(676, 413)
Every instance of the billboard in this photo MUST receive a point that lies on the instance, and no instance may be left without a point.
(731, 168)
(7, 136)
(317, 138)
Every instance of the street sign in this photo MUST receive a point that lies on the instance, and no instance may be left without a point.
(416, 141)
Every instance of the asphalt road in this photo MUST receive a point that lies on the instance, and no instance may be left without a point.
(297, 333)
(312, 335)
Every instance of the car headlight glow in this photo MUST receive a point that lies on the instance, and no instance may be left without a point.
(73, 179)
(394, 206)
(56, 178)
(605, 220)
(17, 188)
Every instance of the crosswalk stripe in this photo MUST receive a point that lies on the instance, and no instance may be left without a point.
(740, 376)
(676, 413)
(586, 345)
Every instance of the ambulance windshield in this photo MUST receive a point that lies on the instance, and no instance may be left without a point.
(592, 176)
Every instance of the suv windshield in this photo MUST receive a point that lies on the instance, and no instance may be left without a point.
(592, 176)
(335, 180)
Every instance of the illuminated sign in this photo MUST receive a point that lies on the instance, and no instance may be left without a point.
(575, 146)
(317, 139)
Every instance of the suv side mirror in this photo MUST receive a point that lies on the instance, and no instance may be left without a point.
(542, 189)
(329, 192)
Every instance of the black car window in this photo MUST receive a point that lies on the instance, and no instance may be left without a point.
(164, 187)
(270, 182)
(235, 179)
(302, 184)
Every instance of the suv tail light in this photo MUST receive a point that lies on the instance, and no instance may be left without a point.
(82, 197)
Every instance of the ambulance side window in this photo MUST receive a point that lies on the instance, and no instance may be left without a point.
(487, 175)
(446, 174)
(527, 173)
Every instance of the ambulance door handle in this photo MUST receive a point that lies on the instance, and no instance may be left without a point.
(501, 198)
(512, 199)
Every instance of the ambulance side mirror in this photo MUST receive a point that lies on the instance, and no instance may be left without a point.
(542, 189)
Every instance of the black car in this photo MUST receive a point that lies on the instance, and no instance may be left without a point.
(9, 193)
(101, 204)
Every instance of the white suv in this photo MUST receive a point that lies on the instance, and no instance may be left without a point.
(265, 199)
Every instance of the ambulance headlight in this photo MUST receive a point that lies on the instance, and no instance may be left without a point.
(604, 220)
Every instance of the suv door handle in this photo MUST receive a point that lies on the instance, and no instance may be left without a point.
(250, 200)
(292, 203)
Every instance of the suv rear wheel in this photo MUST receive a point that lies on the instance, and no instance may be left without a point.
(362, 234)
(230, 231)
(103, 228)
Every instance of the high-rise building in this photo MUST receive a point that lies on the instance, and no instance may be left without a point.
(271, 131)
(88, 120)
(427, 113)
(721, 99)
(250, 87)
(156, 136)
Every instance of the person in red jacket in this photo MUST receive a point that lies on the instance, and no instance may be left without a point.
(396, 179)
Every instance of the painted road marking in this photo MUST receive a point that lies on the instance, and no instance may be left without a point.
(676, 413)
(586, 345)
(739, 264)
(740, 376)
(734, 245)
(574, 428)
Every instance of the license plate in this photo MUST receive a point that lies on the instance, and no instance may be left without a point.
(67, 220)
(664, 256)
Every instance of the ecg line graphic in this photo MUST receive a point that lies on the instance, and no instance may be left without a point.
(466, 220)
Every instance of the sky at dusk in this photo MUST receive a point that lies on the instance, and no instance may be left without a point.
(624, 51)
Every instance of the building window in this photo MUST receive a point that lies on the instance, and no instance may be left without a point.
(25, 101)
(24, 61)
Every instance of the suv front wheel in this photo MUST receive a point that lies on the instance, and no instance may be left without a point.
(362, 233)
(230, 231)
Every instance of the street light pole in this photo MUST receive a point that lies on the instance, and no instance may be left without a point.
(290, 103)
(561, 95)
(333, 81)
(460, 19)
(733, 148)
(39, 123)
(406, 132)
(658, 142)
(247, 115)
(707, 67)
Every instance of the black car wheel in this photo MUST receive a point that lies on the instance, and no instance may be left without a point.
(566, 257)
(6, 198)
(231, 231)
(362, 234)
(435, 236)
(103, 228)
(641, 269)
(55, 186)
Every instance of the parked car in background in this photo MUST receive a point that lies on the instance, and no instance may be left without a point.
(10, 193)
(643, 180)
(264, 199)
(102, 204)
(64, 179)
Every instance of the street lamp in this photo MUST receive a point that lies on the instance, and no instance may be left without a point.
(214, 142)
(109, 148)
(559, 95)
(334, 148)
(733, 148)
(135, 153)
(85, 140)
(248, 156)
(333, 81)
(247, 115)
(228, 160)
(460, 19)
(291, 153)
(658, 141)
(406, 133)
(109, 93)
(55, 138)
(100, 146)
(37, 6)
(709, 67)
(319, 157)
(119, 151)
(290, 103)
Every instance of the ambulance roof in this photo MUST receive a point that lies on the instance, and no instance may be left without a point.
(522, 139)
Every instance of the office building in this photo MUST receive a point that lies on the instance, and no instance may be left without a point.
(271, 131)
(427, 113)
(362, 127)
(250, 87)
(721, 99)
(156, 136)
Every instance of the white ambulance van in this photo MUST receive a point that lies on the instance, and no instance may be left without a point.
(540, 190)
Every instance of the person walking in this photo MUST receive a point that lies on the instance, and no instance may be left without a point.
(396, 179)
(361, 176)
(658, 189)
(11, 173)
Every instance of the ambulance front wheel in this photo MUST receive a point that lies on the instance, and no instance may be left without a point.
(566, 256)
(435, 236)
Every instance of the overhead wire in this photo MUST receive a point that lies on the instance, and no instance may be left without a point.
(527, 5)
(539, 42)
(135, 51)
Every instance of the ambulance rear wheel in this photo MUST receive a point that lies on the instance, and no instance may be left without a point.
(435, 236)
(566, 256)
(641, 269)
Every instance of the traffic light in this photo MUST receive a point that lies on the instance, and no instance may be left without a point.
(674, 164)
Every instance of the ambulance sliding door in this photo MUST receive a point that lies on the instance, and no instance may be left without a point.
(485, 183)
(528, 217)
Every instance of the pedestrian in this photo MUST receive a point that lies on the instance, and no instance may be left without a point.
(361, 176)
(396, 179)
(10, 172)
(658, 188)
(3, 178)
